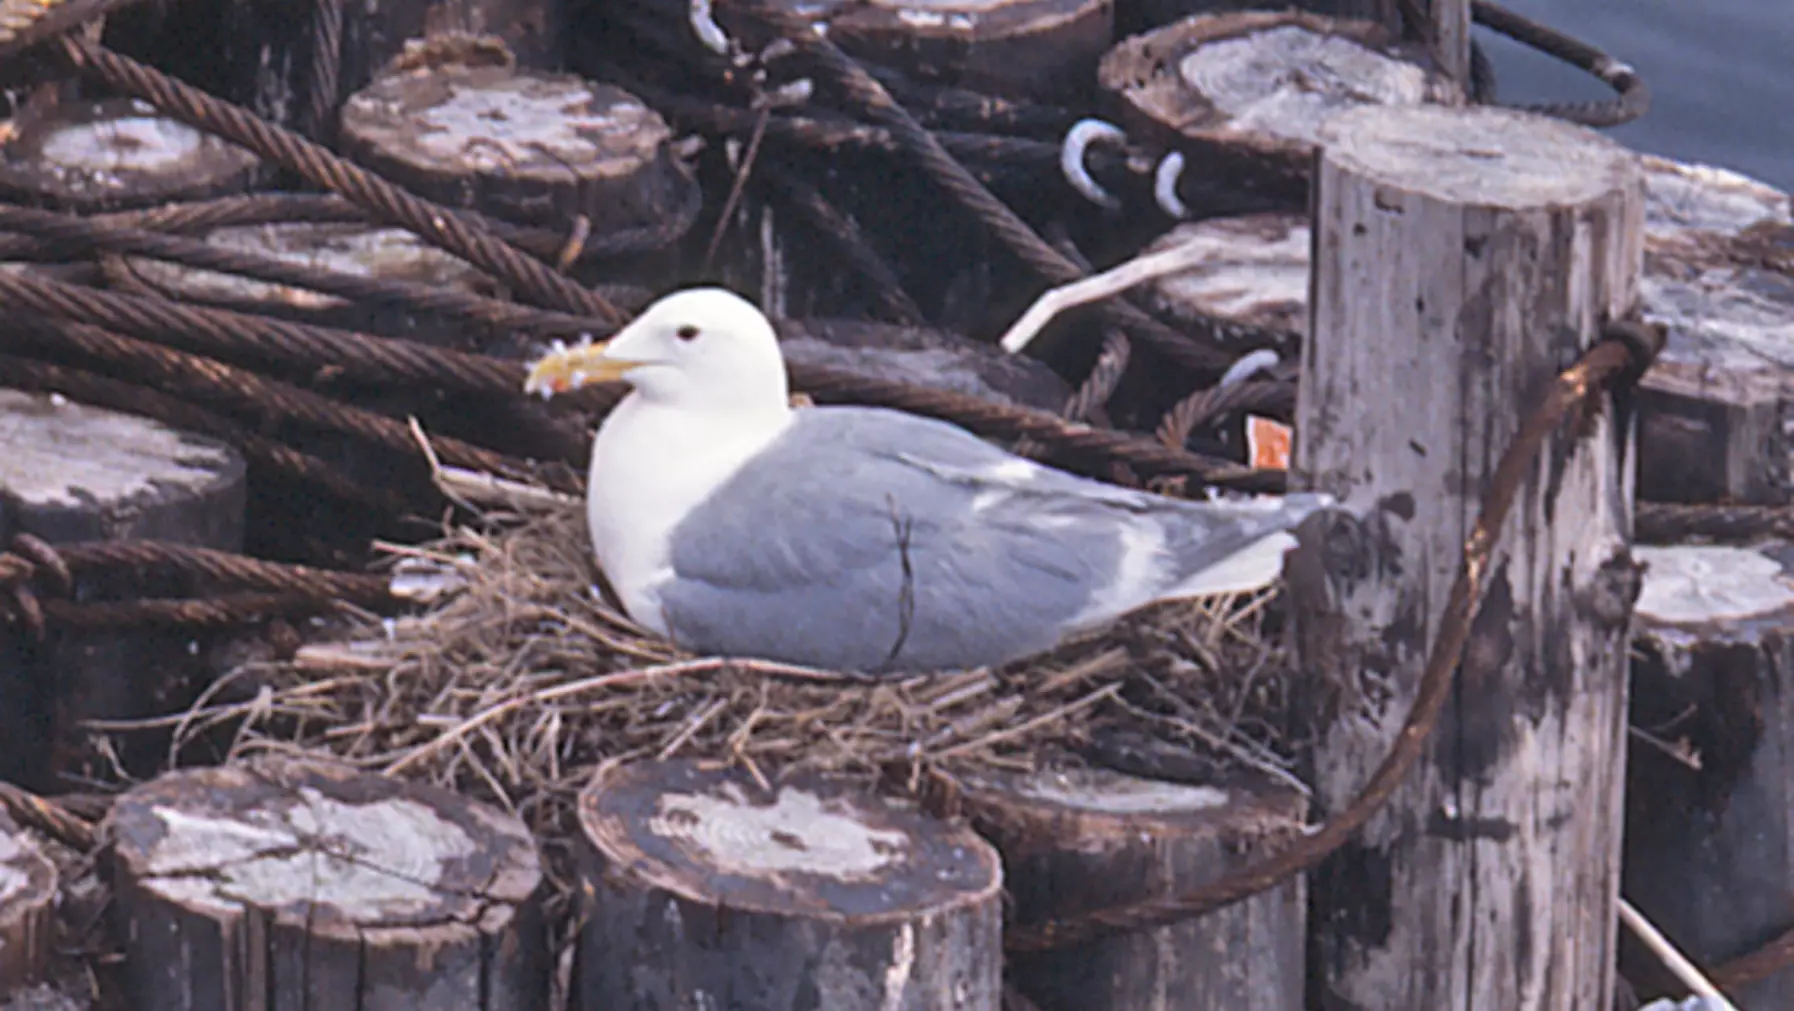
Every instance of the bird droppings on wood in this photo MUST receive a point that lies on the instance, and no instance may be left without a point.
(64, 455)
(530, 147)
(115, 154)
(707, 887)
(333, 888)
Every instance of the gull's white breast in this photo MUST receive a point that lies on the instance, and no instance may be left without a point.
(651, 465)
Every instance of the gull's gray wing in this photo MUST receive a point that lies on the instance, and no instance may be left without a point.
(866, 539)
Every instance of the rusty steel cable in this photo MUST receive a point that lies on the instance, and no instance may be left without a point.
(1259, 396)
(328, 208)
(87, 235)
(182, 612)
(1622, 354)
(1669, 523)
(323, 79)
(240, 336)
(1105, 375)
(871, 99)
(102, 391)
(1632, 97)
(992, 420)
(47, 816)
(244, 393)
(1772, 957)
(439, 225)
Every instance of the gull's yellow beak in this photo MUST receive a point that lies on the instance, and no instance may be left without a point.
(564, 369)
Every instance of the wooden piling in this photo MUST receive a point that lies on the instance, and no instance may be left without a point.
(288, 886)
(1463, 258)
(1709, 824)
(71, 472)
(1087, 839)
(707, 891)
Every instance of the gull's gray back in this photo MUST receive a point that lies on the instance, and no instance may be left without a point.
(872, 540)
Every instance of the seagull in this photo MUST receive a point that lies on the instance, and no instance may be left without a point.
(857, 538)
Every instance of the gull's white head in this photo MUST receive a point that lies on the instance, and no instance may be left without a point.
(703, 348)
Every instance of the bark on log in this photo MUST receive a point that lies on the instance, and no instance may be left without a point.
(285, 886)
(359, 250)
(27, 910)
(1716, 409)
(528, 147)
(1243, 96)
(118, 154)
(72, 473)
(1465, 256)
(1037, 49)
(1092, 839)
(704, 891)
(1710, 804)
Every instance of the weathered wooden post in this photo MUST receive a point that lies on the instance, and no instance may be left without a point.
(1462, 259)
(1449, 22)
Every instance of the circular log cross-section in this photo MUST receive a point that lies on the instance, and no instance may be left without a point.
(1708, 820)
(706, 893)
(118, 154)
(532, 148)
(27, 909)
(1038, 49)
(1082, 840)
(1243, 95)
(1716, 408)
(358, 250)
(1464, 257)
(70, 472)
(1251, 279)
(312, 887)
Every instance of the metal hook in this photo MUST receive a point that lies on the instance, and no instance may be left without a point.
(1082, 134)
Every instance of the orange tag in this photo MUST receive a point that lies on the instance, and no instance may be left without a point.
(1267, 443)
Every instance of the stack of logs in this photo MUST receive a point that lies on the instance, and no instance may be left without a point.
(1452, 260)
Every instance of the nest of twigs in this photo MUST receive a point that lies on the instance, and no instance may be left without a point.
(519, 680)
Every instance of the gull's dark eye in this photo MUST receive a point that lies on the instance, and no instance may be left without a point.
(686, 332)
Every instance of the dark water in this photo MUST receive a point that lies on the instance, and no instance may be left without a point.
(1721, 74)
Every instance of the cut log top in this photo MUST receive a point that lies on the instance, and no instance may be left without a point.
(331, 852)
(1035, 49)
(1264, 80)
(492, 119)
(1252, 270)
(1479, 157)
(1070, 807)
(811, 849)
(64, 455)
(382, 253)
(118, 153)
(1727, 305)
(1717, 590)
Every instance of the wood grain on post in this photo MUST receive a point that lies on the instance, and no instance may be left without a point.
(1710, 811)
(118, 154)
(288, 887)
(704, 891)
(1464, 258)
(71, 472)
(27, 909)
(1252, 277)
(528, 147)
(1092, 839)
(1448, 21)
(1243, 96)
